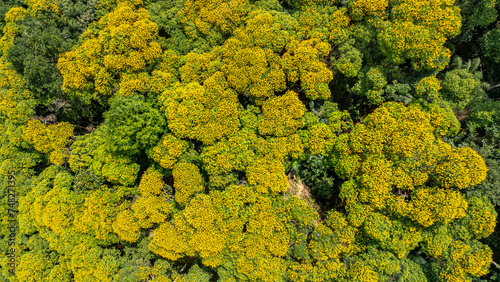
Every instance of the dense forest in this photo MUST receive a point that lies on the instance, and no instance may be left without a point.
(249, 140)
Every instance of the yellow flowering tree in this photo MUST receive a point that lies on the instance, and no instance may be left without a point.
(51, 138)
(112, 56)
(239, 232)
(403, 187)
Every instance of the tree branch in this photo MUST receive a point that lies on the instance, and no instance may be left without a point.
(494, 86)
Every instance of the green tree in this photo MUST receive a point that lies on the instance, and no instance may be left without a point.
(133, 125)
(41, 34)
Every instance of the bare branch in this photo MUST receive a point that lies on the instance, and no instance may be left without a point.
(494, 86)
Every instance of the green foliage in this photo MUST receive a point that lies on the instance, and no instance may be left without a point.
(483, 135)
(475, 14)
(371, 85)
(313, 172)
(460, 86)
(350, 61)
(86, 180)
(484, 114)
(133, 124)
(196, 274)
(41, 36)
(412, 272)
(399, 92)
(90, 152)
(490, 44)
(34, 55)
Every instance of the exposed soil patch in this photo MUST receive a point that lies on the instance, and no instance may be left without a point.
(300, 190)
(463, 114)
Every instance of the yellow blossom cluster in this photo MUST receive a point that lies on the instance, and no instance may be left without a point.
(172, 239)
(401, 40)
(36, 266)
(322, 139)
(417, 30)
(282, 116)
(328, 23)
(429, 206)
(206, 113)
(266, 30)
(232, 154)
(437, 241)
(443, 119)
(279, 147)
(43, 5)
(237, 226)
(126, 227)
(168, 151)
(153, 205)
(51, 138)
(368, 8)
(393, 235)
(267, 175)
(151, 183)
(302, 61)
(89, 152)
(95, 216)
(374, 266)
(15, 99)
(441, 15)
(187, 181)
(250, 59)
(308, 3)
(124, 44)
(462, 168)
(89, 262)
(207, 14)
(12, 18)
(481, 217)
(55, 209)
(392, 155)
(236, 116)
(149, 209)
(252, 64)
(252, 70)
(428, 87)
(466, 259)
(167, 242)
(199, 67)
(244, 151)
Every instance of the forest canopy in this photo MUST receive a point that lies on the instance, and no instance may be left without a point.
(249, 140)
